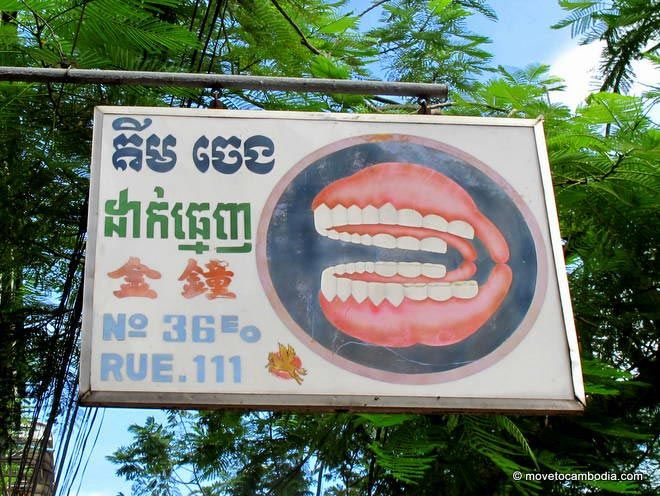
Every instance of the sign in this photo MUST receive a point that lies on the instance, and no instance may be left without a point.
(324, 261)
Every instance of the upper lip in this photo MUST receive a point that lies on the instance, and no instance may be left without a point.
(428, 212)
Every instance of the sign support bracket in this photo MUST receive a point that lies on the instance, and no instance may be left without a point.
(223, 81)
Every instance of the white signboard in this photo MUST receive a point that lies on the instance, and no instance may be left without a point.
(324, 261)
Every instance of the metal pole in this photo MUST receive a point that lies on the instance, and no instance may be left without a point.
(217, 81)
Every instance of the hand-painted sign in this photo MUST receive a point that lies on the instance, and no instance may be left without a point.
(329, 261)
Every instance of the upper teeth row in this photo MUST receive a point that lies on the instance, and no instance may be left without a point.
(432, 244)
(389, 269)
(326, 217)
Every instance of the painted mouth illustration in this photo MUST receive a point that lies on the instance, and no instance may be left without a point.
(396, 205)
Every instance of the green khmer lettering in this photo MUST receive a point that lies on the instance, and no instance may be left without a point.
(226, 225)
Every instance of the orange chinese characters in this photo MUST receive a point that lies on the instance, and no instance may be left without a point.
(134, 272)
(216, 280)
(284, 363)
(194, 285)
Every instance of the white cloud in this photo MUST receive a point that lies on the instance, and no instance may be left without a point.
(646, 76)
(578, 67)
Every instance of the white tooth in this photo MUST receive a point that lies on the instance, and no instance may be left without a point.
(439, 291)
(369, 267)
(464, 289)
(359, 290)
(322, 218)
(376, 292)
(324, 232)
(350, 268)
(394, 293)
(384, 241)
(343, 288)
(370, 215)
(359, 267)
(461, 228)
(409, 269)
(386, 269)
(415, 291)
(409, 217)
(387, 214)
(345, 237)
(434, 270)
(407, 243)
(354, 215)
(435, 222)
(366, 240)
(339, 216)
(328, 283)
(355, 238)
(436, 245)
(340, 269)
(333, 234)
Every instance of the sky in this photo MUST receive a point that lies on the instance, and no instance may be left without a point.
(522, 36)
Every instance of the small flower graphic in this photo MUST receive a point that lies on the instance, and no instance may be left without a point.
(284, 363)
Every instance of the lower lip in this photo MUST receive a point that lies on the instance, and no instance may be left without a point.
(426, 322)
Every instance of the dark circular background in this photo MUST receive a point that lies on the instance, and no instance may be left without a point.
(296, 255)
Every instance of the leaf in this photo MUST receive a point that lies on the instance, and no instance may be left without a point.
(581, 18)
(436, 6)
(340, 25)
(11, 5)
(616, 429)
(598, 369)
(389, 420)
(611, 190)
(508, 425)
(485, 440)
(324, 67)
(405, 454)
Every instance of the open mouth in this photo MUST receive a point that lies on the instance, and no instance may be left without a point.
(409, 207)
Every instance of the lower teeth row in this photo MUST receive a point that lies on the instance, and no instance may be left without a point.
(343, 288)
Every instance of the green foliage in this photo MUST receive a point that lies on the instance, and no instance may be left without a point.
(406, 452)
(629, 28)
(604, 160)
(148, 461)
(428, 41)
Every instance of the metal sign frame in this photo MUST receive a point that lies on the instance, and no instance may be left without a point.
(332, 402)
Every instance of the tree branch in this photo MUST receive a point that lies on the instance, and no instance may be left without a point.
(372, 7)
(303, 38)
(216, 13)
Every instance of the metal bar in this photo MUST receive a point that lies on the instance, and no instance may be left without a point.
(142, 78)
